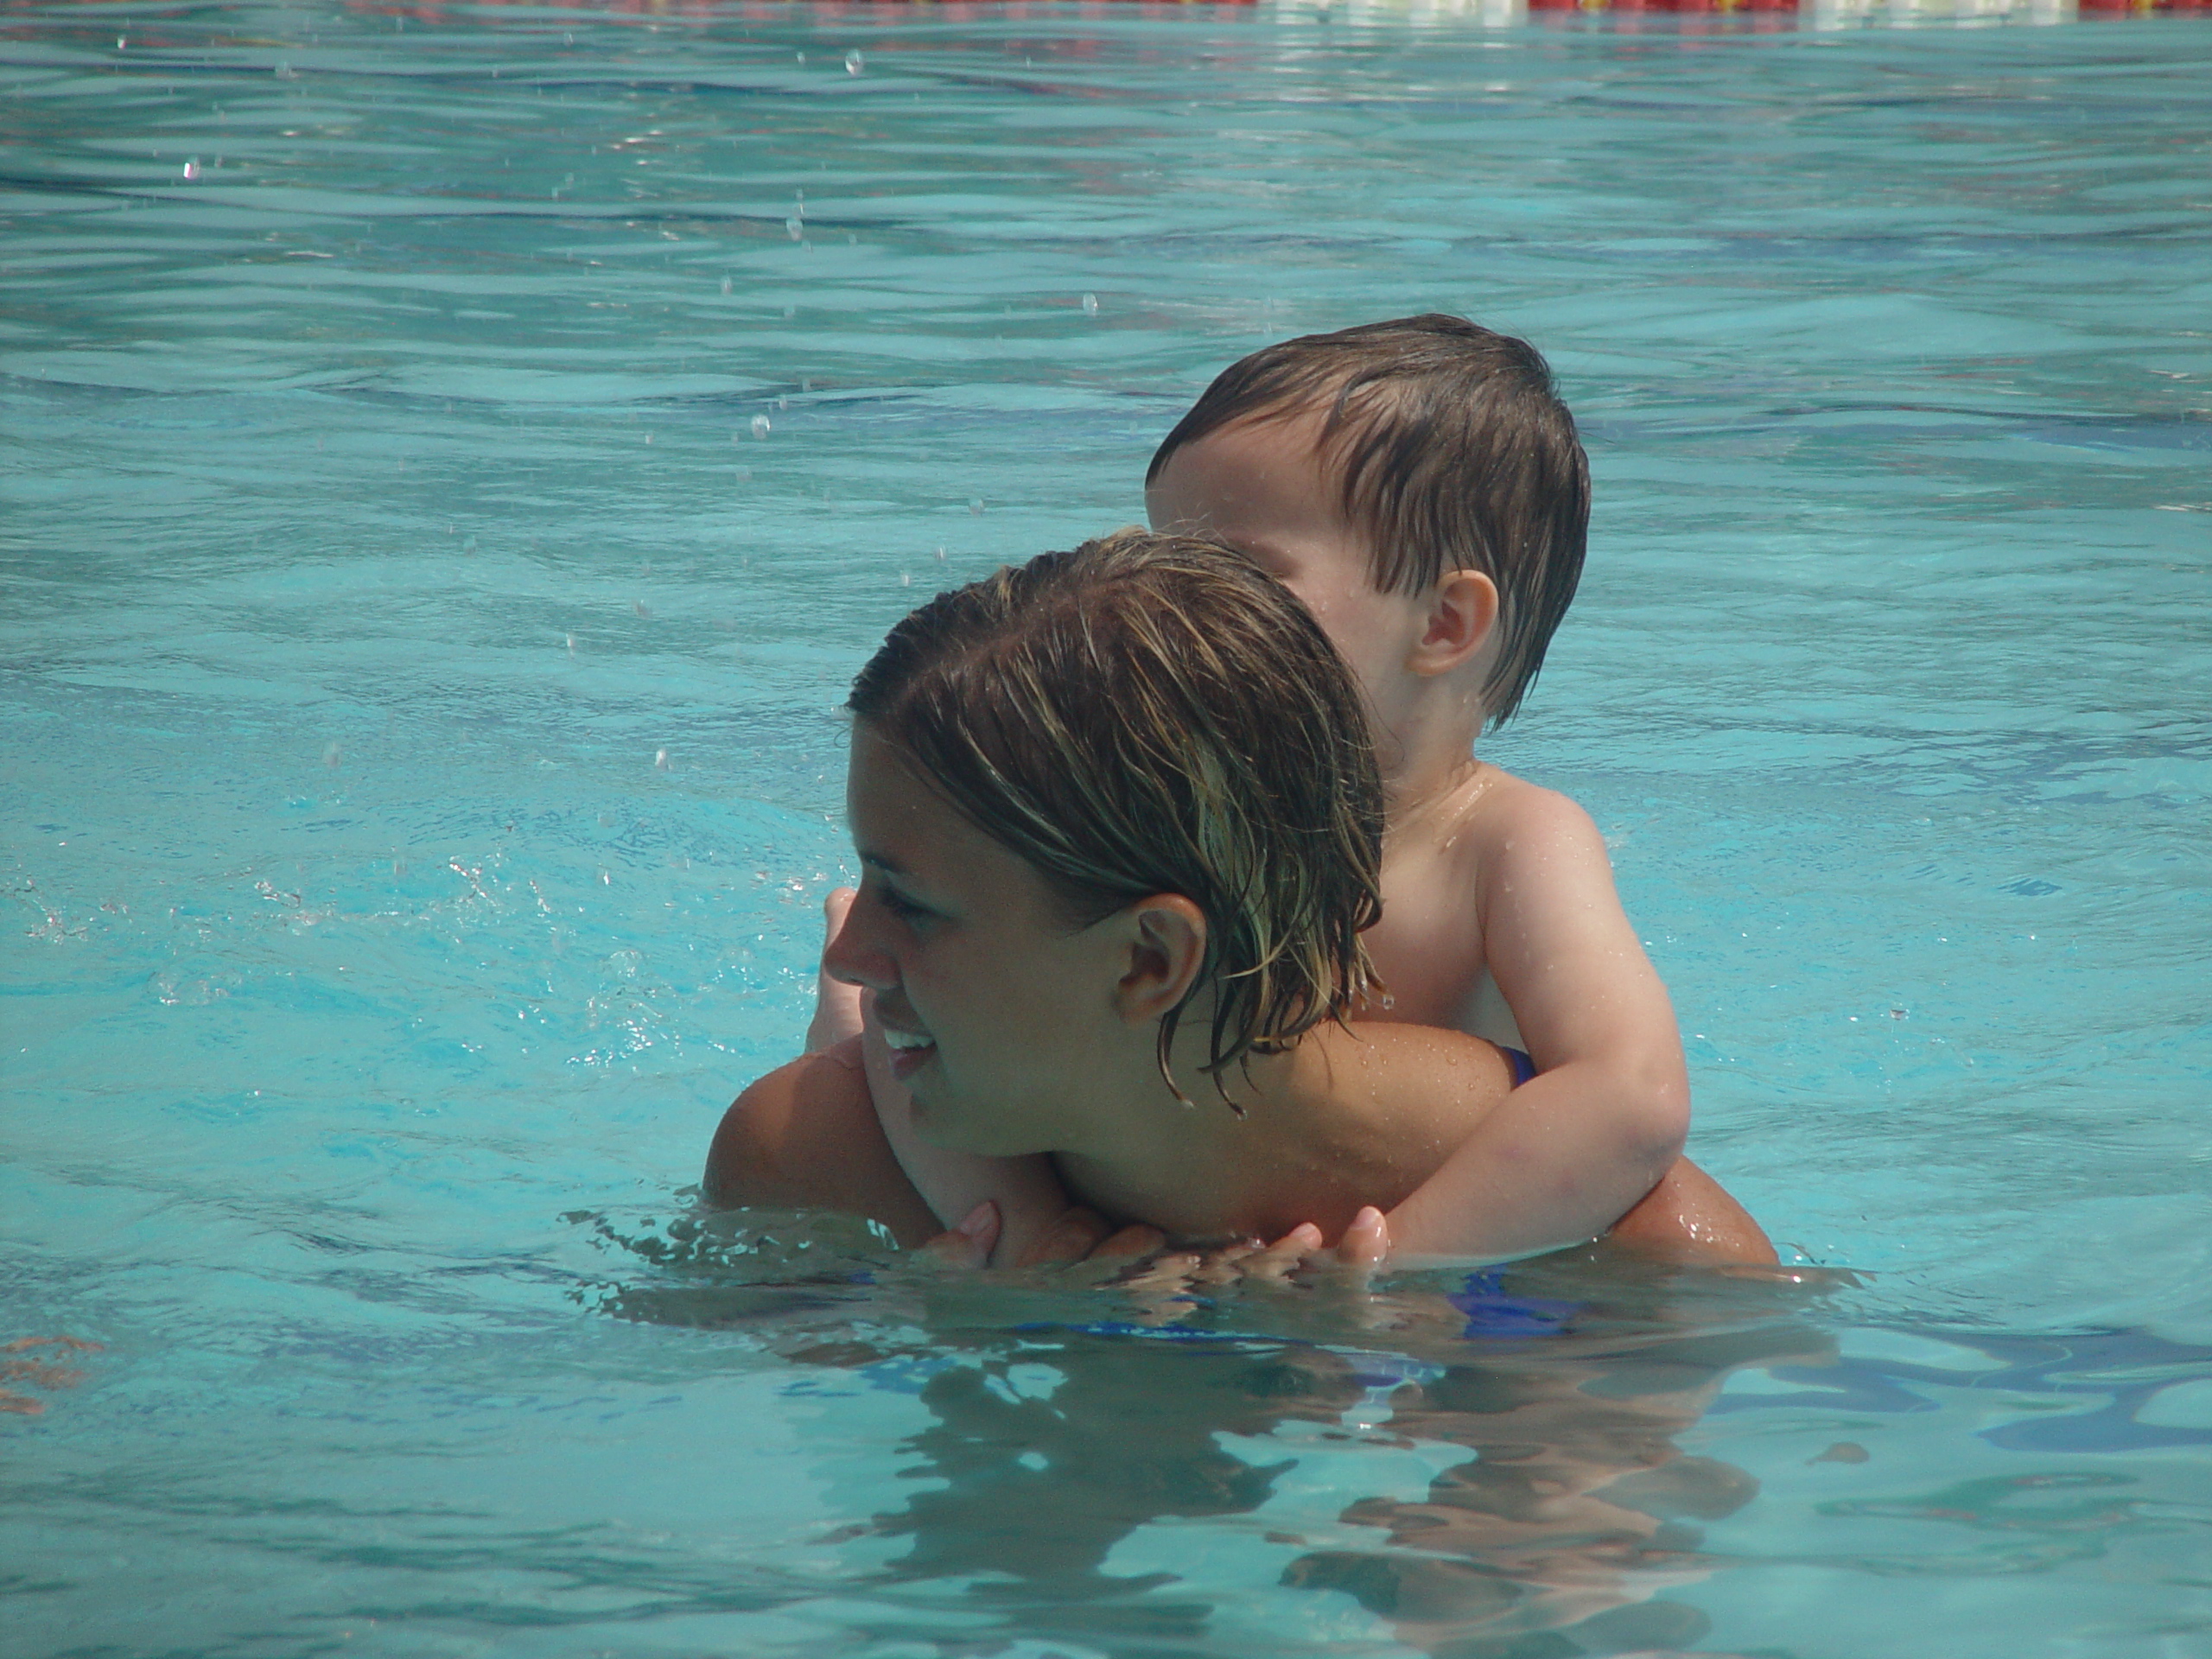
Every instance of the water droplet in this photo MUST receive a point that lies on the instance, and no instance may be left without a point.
(1091, 305)
(191, 169)
(285, 72)
(571, 639)
(759, 426)
(783, 403)
(940, 553)
(802, 57)
(605, 880)
(725, 288)
(793, 228)
(640, 607)
(790, 311)
(975, 505)
(331, 755)
(468, 544)
(855, 63)
(806, 384)
(568, 39)
(660, 759)
(118, 42)
(905, 579)
(1388, 1001)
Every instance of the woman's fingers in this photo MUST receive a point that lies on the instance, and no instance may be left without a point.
(1160, 1292)
(1167, 1275)
(1075, 1236)
(1078, 1236)
(1366, 1243)
(1274, 1264)
(1129, 1242)
(971, 1243)
(1224, 1266)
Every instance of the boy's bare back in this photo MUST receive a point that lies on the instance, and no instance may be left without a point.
(1419, 485)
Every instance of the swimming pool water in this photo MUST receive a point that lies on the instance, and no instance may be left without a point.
(454, 459)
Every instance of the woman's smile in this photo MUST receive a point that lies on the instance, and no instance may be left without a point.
(974, 968)
(910, 1050)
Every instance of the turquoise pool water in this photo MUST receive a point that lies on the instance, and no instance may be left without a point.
(455, 458)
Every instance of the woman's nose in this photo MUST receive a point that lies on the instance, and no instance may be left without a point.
(850, 958)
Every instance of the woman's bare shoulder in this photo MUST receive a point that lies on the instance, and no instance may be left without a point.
(806, 1136)
(1689, 1217)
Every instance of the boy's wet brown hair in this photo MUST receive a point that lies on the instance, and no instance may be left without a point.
(1148, 715)
(1453, 453)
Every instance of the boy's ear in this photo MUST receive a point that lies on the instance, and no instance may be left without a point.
(1165, 939)
(1462, 617)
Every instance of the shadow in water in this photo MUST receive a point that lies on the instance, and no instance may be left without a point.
(1491, 1466)
(1565, 1385)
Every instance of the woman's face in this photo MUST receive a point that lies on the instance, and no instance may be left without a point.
(998, 1009)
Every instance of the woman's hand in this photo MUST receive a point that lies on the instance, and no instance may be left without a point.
(1079, 1234)
(1167, 1287)
(1164, 1284)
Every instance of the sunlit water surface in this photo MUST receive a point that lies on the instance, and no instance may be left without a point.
(454, 459)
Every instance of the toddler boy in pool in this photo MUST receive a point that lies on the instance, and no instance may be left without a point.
(1419, 484)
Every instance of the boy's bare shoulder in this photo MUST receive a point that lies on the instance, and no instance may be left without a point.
(1507, 815)
(806, 1136)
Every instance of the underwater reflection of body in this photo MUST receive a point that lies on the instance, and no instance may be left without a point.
(1575, 1509)
(1502, 1467)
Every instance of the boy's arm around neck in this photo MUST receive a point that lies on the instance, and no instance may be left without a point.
(1572, 1150)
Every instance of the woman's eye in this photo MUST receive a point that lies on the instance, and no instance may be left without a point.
(901, 906)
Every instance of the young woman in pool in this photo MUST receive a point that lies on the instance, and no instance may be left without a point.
(1120, 827)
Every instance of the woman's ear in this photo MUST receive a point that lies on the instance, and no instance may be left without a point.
(1165, 939)
(1462, 617)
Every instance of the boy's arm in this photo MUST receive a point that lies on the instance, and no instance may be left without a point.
(1574, 1149)
(805, 1137)
(1030, 1200)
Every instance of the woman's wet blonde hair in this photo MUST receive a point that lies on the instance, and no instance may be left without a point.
(1148, 715)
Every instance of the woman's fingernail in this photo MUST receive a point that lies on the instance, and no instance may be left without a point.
(979, 1220)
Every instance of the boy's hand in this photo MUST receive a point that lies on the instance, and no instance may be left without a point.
(838, 1009)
